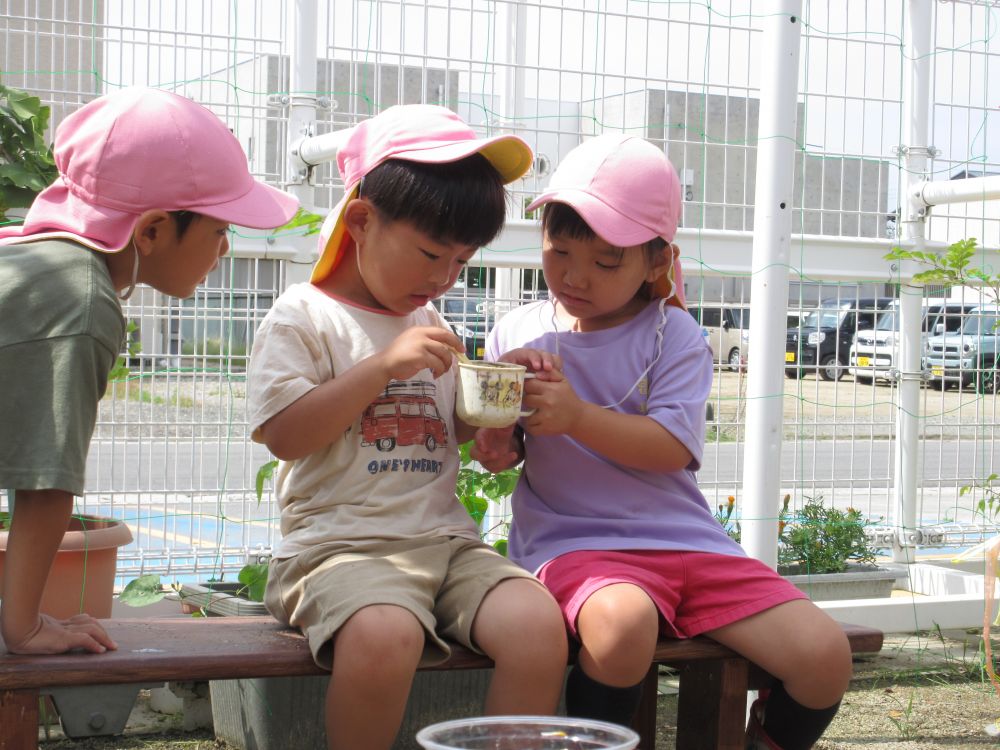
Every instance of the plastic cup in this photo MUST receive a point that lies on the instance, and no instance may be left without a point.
(526, 733)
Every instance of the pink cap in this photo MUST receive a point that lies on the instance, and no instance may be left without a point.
(142, 149)
(412, 132)
(623, 186)
(628, 192)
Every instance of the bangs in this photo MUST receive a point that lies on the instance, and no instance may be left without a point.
(462, 202)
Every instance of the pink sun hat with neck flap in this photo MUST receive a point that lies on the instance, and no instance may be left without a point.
(424, 133)
(141, 149)
(628, 192)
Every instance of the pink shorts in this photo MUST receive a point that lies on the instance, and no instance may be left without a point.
(695, 592)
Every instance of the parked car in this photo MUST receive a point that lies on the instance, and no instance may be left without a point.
(875, 352)
(466, 312)
(967, 356)
(727, 330)
(822, 341)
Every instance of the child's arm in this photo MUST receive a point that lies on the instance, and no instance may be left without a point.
(628, 439)
(324, 413)
(39, 522)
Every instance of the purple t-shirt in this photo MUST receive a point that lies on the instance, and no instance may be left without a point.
(570, 498)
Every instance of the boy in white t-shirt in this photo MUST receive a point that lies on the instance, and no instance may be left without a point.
(351, 384)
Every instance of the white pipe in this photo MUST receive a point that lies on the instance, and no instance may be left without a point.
(956, 191)
(916, 107)
(317, 149)
(769, 288)
(302, 24)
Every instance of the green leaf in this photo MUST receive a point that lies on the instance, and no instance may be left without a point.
(500, 545)
(264, 474)
(143, 591)
(254, 578)
(303, 218)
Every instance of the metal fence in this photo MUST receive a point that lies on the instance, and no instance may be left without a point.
(171, 453)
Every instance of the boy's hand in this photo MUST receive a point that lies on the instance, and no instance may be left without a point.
(52, 636)
(496, 448)
(540, 362)
(557, 407)
(416, 349)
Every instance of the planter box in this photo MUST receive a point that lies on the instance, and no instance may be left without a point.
(277, 713)
(82, 577)
(861, 582)
(218, 599)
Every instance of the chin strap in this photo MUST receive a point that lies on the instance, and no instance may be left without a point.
(135, 275)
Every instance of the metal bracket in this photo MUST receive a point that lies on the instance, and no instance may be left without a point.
(932, 152)
(95, 710)
(899, 376)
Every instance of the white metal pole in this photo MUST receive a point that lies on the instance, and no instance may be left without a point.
(916, 107)
(769, 287)
(302, 25)
(507, 282)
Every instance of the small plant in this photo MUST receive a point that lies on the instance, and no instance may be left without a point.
(476, 488)
(953, 267)
(819, 539)
(132, 347)
(732, 525)
(724, 515)
(815, 540)
(303, 219)
(26, 163)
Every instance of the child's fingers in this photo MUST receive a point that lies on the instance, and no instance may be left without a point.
(86, 624)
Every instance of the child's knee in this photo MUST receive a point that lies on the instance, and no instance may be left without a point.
(387, 632)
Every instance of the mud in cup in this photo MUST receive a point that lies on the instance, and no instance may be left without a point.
(489, 393)
(526, 733)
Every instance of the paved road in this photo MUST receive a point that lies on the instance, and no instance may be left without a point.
(857, 462)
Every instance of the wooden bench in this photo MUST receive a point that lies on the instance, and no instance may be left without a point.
(711, 708)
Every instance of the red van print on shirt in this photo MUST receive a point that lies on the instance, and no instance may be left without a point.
(404, 414)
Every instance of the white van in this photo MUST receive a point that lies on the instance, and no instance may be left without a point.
(875, 352)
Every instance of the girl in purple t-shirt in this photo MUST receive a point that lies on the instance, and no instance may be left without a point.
(608, 511)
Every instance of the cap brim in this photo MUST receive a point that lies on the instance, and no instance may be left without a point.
(608, 223)
(261, 207)
(509, 155)
(333, 238)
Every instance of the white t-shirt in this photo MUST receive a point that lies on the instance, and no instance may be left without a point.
(392, 474)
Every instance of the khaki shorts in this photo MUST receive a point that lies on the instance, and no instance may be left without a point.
(441, 581)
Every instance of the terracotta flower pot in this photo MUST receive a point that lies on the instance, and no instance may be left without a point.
(82, 578)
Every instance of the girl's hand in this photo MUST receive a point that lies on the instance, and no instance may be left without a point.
(540, 362)
(496, 448)
(557, 407)
(416, 349)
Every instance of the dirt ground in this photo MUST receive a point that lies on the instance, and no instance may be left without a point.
(920, 692)
(841, 408)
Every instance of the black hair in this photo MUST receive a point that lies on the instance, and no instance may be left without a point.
(183, 220)
(562, 220)
(461, 202)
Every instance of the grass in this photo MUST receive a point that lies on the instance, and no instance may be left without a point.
(134, 391)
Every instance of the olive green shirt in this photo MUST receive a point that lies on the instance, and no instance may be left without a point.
(61, 330)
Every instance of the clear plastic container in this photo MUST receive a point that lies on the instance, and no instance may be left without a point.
(526, 733)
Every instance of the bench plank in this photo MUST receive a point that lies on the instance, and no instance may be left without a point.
(712, 707)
